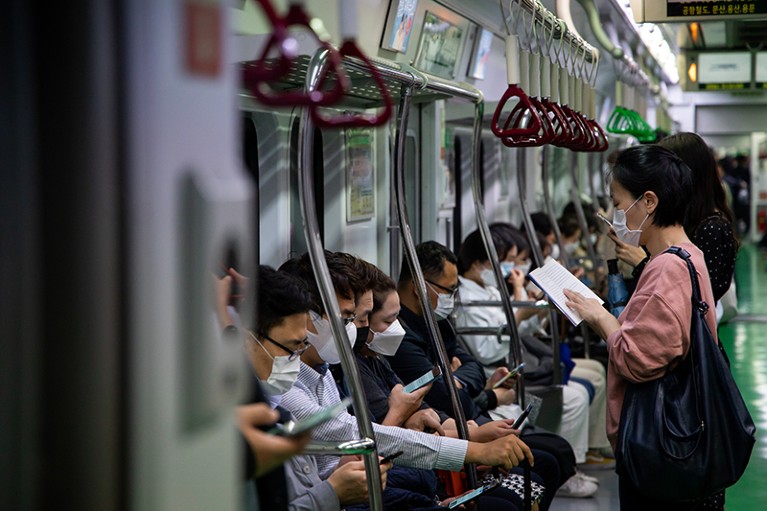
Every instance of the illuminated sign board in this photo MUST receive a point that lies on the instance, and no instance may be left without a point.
(724, 71)
(760, 70)
(701, 10)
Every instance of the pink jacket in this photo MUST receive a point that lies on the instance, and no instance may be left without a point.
(655, 327)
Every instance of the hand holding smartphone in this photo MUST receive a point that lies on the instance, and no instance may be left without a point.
(424, 380)
(510, 374)
(521, 419)
(295, 428)
(391, 457)
(474, 494)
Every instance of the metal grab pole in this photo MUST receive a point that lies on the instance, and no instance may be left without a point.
(550, 206)
(575, 196)
(535, 250)
(325, 285)
(515, 343)
(398, 176)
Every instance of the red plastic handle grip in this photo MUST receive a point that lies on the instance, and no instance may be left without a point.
(258, 75)
(524, 104)
(356, 120)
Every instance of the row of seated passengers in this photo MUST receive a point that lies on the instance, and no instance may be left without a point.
(295, 359)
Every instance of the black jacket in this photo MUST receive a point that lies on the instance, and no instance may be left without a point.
(416, 356)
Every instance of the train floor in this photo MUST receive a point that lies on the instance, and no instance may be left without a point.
(745, 339)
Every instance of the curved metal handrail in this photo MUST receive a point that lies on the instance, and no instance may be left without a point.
(575, 196)
(540, 304)
(549, 204)
(325, 285)
(515, 346)
(535, 250)
(398, 177)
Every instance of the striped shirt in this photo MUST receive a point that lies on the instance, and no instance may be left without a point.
(314, 391)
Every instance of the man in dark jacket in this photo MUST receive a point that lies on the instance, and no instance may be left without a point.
(416, 355)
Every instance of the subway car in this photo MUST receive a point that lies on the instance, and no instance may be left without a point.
(174, 170)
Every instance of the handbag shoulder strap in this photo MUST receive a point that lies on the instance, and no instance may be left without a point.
(697, 300)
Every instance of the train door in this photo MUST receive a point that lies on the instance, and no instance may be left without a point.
(127, 191)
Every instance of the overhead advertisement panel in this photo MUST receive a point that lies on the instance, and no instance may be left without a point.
(760, 70)
(697, 10)
(718, 71)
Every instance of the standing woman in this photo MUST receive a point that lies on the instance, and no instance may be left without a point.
(709, 219)
(650, 187)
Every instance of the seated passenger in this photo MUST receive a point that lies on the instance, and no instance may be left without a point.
(273, 346)
(386, 398)
(416, 355)
(315, 389)
(583, 414)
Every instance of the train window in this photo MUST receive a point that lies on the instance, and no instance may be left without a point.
(297, 238)
(483, 170)
(413, 185)
(458, 209)
(250, 157)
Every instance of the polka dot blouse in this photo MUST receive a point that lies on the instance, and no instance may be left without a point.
(714, 237)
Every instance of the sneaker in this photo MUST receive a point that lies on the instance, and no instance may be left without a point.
(577, 487)
(595, 461)
(586, 477)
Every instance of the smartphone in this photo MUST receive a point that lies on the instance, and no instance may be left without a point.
(474, 494)
(510, 374)
(424, 380)
(294, 428)
(518, 423)
(392, 456)
(605, 220)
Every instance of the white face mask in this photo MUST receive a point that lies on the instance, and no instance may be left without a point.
(626, 235)
(506, 268)
(323, 340)
(387, 342)
(524, 268)
(488, 277)
(571, 247)
(555, 251)
(594, 238)
(445, 304)
(284, 372)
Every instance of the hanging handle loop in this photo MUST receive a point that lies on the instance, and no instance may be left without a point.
(350, 49)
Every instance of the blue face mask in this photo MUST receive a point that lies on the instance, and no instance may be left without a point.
(506, 268)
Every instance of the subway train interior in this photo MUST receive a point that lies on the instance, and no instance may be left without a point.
(172, 169)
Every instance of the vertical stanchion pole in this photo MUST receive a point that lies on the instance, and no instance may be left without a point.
(398, 175)
(325, 285)
(537, 255)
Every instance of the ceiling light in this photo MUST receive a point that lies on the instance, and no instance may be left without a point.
(692, 72)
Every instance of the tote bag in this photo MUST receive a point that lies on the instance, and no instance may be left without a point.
(688, 434)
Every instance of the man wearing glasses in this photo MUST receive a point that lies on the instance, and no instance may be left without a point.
(282, 478)
(315, 389)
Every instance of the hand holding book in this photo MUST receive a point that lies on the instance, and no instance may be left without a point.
(554, 279)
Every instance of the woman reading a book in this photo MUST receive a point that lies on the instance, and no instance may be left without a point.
(650, 188)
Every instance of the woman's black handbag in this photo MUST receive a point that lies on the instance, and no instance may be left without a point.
(688, 434)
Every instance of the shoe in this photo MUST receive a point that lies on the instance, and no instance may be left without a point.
(586, 477)
(595, 461)
(577, 487)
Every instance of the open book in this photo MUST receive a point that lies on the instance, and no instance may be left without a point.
(552, 278)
